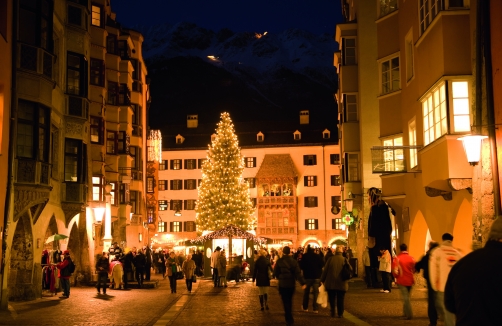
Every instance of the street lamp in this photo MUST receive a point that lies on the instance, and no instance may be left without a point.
(472, 147)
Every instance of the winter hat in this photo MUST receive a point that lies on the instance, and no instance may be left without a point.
(286, 250)
(496, 230)
(66, 252)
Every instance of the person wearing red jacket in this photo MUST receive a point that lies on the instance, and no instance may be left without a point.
(403, 272)
(64, 274)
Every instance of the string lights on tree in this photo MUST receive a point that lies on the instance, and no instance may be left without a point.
(223, 199)
(227, 232)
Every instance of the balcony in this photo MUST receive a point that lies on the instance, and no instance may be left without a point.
(391, 159)
(31, 171)
(35, 59)
(74, 192)
(276, 200)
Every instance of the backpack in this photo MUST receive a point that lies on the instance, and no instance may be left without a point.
(71, 267)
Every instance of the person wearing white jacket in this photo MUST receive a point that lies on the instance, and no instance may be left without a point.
(441, 261)
(385, 268)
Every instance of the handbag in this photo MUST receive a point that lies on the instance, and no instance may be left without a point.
(322, 297)
(270, 274)
(346, 273)
(179, 272)
(194, 278)
(371, 242)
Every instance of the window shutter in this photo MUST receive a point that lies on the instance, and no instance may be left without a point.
(186, 163)
(305, 160)
(306, 202)
(185, 184)
(172, 164)
(254, 161)
(172, 183)
(184, 226)
(316, 224)
(305, 181)
(185, 203)
(315, 180)
(199, 181)
(306, 224)
(171, 226)
(314, 159)
(332, 180)
(315, 201)
(333, 224)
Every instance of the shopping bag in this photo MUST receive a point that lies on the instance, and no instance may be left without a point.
(322, 297)
(194, 278)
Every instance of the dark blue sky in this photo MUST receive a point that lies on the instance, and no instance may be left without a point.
(316, 16)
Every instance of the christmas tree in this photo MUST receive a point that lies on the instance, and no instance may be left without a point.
(223, 194)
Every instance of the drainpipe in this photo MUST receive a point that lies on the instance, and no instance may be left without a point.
(10, 182)
(489, 103)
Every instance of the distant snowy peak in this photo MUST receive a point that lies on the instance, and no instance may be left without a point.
(293, 48)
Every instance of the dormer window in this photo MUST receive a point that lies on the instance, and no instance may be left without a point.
(192, 120)
(326, 134)
(180, 139)
(213, 137)
(304, 117)
(260, 137)
(297, 135)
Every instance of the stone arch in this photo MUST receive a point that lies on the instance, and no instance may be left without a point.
(462, 228)
(311, 241)
(337, 240)
(22, 285)
(52, 228)
(76, 250)
(418, 235)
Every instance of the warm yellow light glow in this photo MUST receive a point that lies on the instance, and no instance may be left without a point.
(155, 146)
(472, 147)
(98, 214)
(212, 57)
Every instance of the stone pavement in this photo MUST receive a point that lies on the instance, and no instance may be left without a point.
(237, 304)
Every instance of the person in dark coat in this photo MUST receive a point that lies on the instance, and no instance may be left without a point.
(148, 264)
(197, 258)
(423, 264)
(328, 255)
(262, 270)
(102, 268)
(64, 274)
(379, 227)
(126, 261)
(332, 280)
(287, 271)
(474, 285)
(311, 265)
(139, 262)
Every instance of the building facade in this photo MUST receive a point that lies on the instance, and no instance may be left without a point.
(78, 106)
(293, 174)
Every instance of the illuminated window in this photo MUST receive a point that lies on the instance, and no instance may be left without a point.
(311, 224)
(162, 205)
(176, 164)
(460, 104)
(336, 223)
(97, 188)
(412, 134)
(250, 162)
(97, 16)
(162, 185)
(393, 157)
(385, 7)
(310, 181)
(175, 226)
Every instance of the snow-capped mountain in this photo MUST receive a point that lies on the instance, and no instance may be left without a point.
(270, 74)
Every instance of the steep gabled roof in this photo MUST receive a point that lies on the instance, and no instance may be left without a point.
(277, 166)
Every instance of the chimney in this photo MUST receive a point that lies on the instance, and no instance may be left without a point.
(192, 121)
(304, 117)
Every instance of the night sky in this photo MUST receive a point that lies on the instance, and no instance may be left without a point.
(316, 16)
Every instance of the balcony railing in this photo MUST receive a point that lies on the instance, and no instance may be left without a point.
(275, 200)
(32, 171)
(74, 192)
(35, 59)
(391, 159)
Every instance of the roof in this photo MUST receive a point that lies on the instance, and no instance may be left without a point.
(277, 165)
(227, 231)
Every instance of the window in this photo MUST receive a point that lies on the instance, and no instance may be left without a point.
(36, 28)
(336, 201)
(393, 158)
(150, 215)
(32, 138)
(97, 188)
(309, 160)
(190, 164)
(385, 7)
(96, 130)
(123, 142)
(310, 201)
(176, 185)
(97, 16)
(200, 162)
(137, 111)
(76, 74)
(297, 135)
(260, 137)
(123, 50)
(175, 226)
(135, 197)
(251, 182)
(74, 161)
(311, 224)
(310, 181)
(111, 44)
(250, 162)
(335, 180)
(124, 95)
(336, 223)
(326, 134)
(390, 80)
(3, 19)
(111, 142)
(162, 205)
(162, 227)
(162, 185)
(460, 103)
(412, 133)
(113, 93)
(97, 72)
(176, 164)
(163, 165)
(190, 184)
(136, 163)
(352, 164)
(124, 193)
(77, 16)
(408, 49)
(429, 9)
(189, 204)
(350, 107)
(348, 51)
(113, 191)
(189, 226)
(150, 184)
(334, 159)
(176, 205)
(434, 113)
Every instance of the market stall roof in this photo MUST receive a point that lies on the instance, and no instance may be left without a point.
(227, 231)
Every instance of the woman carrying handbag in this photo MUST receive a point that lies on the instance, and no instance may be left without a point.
(189, 269)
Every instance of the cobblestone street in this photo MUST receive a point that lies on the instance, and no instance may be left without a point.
(237, 304)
